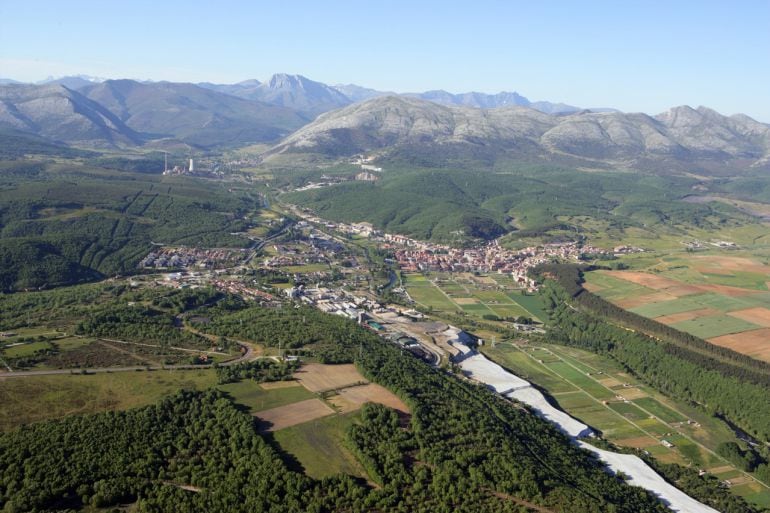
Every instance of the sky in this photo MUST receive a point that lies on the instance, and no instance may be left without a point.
(636, 56)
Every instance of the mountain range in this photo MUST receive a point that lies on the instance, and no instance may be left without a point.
(299, 115)
(424, 131)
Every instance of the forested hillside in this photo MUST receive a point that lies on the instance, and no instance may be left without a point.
(445, 205)
(62, 224)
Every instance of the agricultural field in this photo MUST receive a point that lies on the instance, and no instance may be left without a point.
(319, 446)
(258, 397)
(319, 390)
(721, 297)
(474, 295)
(596, 391)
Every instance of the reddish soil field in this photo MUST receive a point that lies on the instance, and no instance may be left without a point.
(732, 264)
(686, 316)
(755, 343)
(759, 316)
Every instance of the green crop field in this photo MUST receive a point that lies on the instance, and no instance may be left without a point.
(255, 398)
(628, 410)
(574, 376)
(37, 398)
(26, 349)
(679, 305)
(477, 309)
(615, 288)
(659, 410)
(319, 446)
(509, 310)
(532, 304)
(714, 326)
(723, 303)
(526, 367)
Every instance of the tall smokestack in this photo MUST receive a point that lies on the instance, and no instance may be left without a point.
(191, 166)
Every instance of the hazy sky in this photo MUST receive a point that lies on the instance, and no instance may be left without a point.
(633, 55)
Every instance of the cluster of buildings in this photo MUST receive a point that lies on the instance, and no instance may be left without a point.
(241, 289)
(181, 257)
(491, 257)
(335, 301)
(289, 255)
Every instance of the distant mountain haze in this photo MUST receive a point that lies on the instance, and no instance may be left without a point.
(299, 115)
(55, 112)
(128, 113)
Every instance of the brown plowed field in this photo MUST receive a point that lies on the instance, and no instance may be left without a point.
(651, 281)
(759, 316)
(755, 343)
(673, 287)
(686, 316)
(733, 264)
(726, 290)
(318, 377)
(292, 414)
(352, 398)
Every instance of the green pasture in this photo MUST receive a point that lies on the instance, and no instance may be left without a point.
(37, 398)
(249, 394)
(319, 446)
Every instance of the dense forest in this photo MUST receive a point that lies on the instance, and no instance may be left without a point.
(535, 201)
